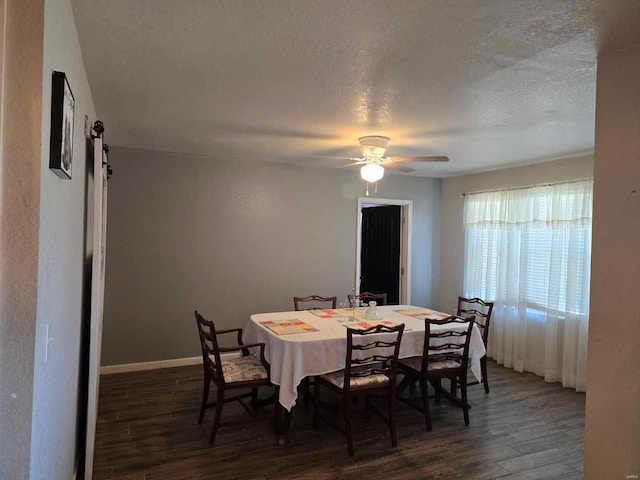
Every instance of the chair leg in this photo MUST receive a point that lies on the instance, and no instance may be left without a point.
(278, 415)
(305, 386)
(205, 397)
(346, 408)
(425, 404)
(316, 405)
(485, 379)
(465, 404)
(367, 407)
(454, 387)
(437, 385)
(392, 419)
(254, 398)
(286, 429)
(216, 419)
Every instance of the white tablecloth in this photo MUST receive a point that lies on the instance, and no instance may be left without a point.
(296, 356)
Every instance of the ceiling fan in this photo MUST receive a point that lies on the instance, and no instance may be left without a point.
(373, 161)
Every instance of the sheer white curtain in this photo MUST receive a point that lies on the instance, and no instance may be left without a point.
(529, 250)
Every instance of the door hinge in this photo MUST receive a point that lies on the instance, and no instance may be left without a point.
(402, 271)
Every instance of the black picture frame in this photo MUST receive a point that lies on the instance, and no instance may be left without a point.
(62, 122)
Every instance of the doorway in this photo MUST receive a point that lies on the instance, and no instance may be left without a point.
(383, 248)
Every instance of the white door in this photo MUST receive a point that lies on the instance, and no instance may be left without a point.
(97, 295)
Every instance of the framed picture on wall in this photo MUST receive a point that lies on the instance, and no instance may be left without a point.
(61, 142)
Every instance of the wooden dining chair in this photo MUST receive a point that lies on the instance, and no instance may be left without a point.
(480, 311)
(246, 371)
(355, 300)
(445, 354)
(314, 302)
(367, 372)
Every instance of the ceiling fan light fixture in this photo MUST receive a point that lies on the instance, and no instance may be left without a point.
(369, 151)
(373, 146)
(372, 172)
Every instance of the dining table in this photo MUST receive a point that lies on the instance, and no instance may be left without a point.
(300, 344)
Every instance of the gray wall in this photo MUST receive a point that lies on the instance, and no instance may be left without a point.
(55, 394)
(233, 238)
(452, 260)
(21, 27)
(612, 433)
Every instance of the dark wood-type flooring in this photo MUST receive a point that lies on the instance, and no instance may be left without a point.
(524, 429)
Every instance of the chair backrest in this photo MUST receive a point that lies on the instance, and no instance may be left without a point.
(209, 347)
(315, 302)
(450, 345)
(380, 298)
(382, 360)
(479, 310)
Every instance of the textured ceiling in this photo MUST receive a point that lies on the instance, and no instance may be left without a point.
(488, 83)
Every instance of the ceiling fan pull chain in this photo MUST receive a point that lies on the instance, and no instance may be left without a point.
(376, 188)
(367, 189)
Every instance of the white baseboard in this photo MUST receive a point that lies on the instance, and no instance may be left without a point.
(174, 362)
(136, 367)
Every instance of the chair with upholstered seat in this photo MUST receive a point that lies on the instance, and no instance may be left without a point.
(445, 355)
(480, 311)
(366, 297)
(370, 370)
(314, 302)
(246, 371)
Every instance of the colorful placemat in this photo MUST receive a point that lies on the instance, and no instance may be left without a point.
(364, 324)
(337, 312)
(288, 327)
(422, 313)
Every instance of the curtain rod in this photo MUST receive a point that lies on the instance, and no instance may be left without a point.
(462, 195)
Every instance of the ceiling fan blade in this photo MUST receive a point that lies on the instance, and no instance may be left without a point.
(266, 131)
(354, 164)
(419, 159)
(397, 166)
(328, 156)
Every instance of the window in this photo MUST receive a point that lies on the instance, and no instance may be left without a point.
(530, 246)
(529, 251)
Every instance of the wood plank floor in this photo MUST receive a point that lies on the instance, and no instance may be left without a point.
(524, 429)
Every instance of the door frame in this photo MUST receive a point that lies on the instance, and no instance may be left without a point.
(406, 216)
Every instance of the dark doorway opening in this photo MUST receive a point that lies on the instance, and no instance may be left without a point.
(380, 251)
